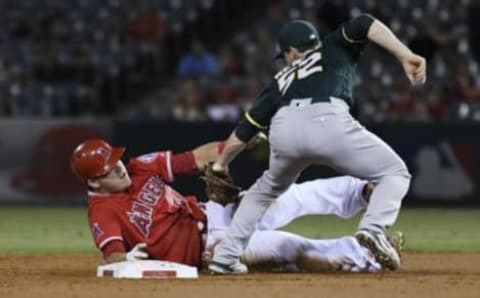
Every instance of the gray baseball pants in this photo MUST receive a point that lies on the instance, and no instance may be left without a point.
(304, 134)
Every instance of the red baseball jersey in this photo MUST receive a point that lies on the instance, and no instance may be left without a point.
(151, 211)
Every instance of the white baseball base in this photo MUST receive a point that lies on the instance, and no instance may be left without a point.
(147, 269)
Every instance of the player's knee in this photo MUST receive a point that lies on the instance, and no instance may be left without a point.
(406, 174)
(291, 248)
(271, 186)
(404, 177)
(398, 184)
(402, 170)
(314, 262)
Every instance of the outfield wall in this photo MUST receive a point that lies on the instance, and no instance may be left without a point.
(34, 156)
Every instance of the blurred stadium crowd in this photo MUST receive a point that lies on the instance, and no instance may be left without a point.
(207, 60)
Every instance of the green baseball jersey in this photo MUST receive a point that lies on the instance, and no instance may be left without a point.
(325, 71)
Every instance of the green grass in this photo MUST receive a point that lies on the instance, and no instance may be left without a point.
(425, 229)
(53, 230)
(44, 230)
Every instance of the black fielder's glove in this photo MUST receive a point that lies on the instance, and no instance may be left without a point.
(219, 186)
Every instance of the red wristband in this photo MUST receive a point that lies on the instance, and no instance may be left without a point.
(221, 147)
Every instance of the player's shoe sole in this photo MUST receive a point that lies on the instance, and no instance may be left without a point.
(236, 268)
(377, 243)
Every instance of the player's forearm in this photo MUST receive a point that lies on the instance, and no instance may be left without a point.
(233, 147)
(116, 257)
(380, 34)
(207, 153)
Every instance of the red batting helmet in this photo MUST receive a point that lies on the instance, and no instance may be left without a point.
(94, 158)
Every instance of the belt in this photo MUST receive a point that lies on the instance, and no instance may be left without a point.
(301, 102)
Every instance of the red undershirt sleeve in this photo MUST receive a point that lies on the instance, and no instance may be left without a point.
(183, 164)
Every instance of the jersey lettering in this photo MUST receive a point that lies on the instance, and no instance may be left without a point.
(142, 209)
(310, 65)
(300, 69)
(142, 221)
(285, 79)
(141, 212)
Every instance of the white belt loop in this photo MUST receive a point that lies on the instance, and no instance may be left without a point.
(300, 102)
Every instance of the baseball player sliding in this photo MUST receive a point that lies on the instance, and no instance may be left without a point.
(306, 109)
(134, 214)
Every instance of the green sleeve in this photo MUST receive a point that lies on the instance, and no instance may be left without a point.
(352, 37)
(258, 117)
(356, 31)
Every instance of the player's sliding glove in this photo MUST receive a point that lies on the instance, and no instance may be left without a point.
(137, 253)
(219, 186)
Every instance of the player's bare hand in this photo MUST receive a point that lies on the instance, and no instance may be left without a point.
(415, 68)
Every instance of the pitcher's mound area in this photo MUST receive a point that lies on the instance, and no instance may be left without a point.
(423, 275)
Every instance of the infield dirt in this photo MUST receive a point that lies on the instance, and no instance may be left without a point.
(440, 275)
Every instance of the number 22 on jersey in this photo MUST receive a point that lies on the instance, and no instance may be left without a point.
(300, 69)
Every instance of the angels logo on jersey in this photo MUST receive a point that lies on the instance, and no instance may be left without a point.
(103, 152)
(141, 212)
(147, 158)
(96, 230)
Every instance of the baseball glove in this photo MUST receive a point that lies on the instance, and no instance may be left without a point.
(219, 186)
